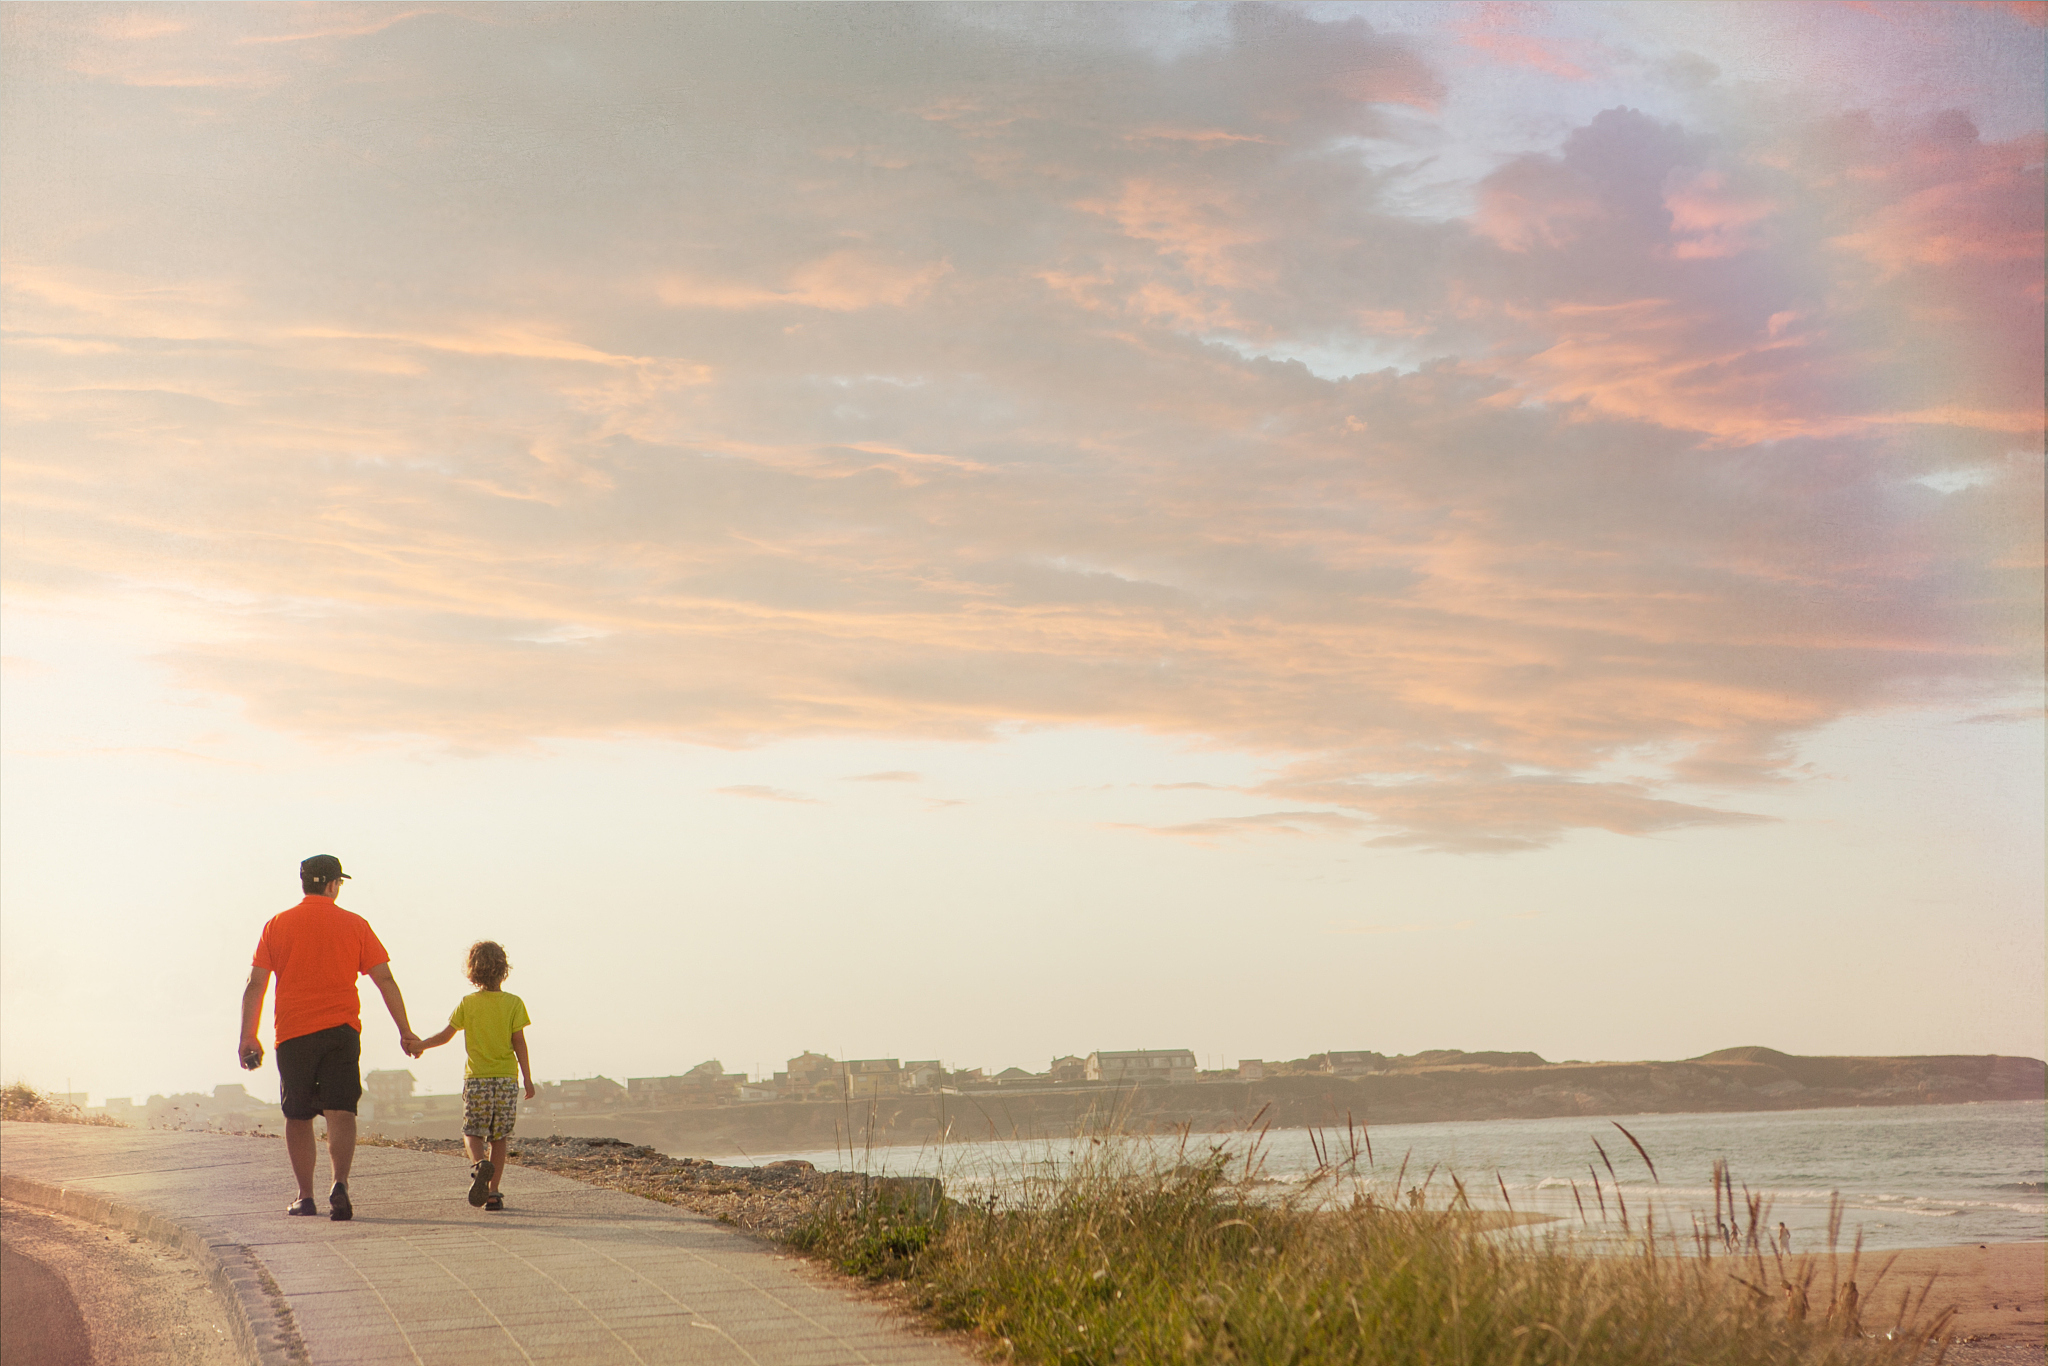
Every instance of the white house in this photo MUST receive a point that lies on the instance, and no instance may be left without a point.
(1142, 1064)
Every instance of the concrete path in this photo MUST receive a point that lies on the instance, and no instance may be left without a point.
(568, 1273)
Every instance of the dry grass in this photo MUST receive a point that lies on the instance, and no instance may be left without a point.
(19, 1100)
(1124, 1257)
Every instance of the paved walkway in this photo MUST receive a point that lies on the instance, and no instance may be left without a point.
(569, 1273)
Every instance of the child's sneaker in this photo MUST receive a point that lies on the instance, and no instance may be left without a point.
(495, 1203)
(480, 1182)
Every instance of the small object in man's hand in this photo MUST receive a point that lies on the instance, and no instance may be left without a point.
(252, 1057)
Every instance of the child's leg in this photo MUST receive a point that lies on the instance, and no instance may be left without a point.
(473, 1144)
(498, 1146)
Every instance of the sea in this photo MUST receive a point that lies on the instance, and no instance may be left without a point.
(1894, 1177)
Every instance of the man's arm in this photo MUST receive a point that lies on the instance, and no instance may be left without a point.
(525, 1065)
(394, 1001)
(250, 1048)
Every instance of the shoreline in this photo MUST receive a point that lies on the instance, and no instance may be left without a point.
(782, 1128)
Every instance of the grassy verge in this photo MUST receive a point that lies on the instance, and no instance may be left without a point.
(19, 1100)
(1123, 1259)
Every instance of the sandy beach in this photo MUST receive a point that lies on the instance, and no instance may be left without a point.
(1998, 1290)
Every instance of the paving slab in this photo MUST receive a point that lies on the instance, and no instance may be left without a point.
(568, 1273)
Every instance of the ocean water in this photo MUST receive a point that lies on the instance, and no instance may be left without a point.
(1906, 1176)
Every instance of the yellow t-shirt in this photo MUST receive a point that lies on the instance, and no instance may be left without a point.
(487, 1020)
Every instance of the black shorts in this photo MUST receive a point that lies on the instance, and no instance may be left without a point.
(318, 1072)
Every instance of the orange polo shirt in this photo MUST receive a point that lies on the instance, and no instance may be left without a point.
(317, 951)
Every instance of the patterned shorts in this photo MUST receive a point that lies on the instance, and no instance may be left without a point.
(489, 1106)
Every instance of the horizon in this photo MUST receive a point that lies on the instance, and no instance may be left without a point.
(252, 1084)
(816, 526)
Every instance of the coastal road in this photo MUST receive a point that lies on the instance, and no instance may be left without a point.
(568, 1273)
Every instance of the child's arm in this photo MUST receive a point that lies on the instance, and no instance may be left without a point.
(436, 1040)
(525, 1064)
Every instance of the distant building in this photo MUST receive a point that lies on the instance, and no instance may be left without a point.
(651, 1091)
(869, 1077)
(389, 1093)
(813, 1076)
(1251, 1069)
(430, 1108)
(1068, 1069)
(1142, 1065)
(708, 1083)
(1009, 1074)
(1353, 1064)
(753, 1092)
(229, 1108)
(924, 1075)
(586, 1095)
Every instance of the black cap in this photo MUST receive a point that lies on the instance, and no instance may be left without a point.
(321, 868)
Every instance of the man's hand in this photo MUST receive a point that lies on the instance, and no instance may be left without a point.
(249, 1051)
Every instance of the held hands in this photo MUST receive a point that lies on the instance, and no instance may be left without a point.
(410, 1042)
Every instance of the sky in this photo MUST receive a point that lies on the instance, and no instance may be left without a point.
(987, 532)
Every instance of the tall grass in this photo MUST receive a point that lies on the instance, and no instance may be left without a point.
(1130, 1255)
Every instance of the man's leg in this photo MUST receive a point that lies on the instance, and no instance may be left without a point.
(341, 1145)
(298, 1144)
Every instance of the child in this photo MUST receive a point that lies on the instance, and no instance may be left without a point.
(494, 1023)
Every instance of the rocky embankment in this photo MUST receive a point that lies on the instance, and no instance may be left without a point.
(1442, 1089)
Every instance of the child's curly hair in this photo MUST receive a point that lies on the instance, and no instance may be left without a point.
(488, 966)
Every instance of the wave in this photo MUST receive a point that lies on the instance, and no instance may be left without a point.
(2032, 1187)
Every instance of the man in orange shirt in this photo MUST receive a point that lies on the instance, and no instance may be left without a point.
(317, 949)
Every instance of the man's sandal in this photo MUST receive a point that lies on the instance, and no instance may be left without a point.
(303, 1205)
(480, 1181)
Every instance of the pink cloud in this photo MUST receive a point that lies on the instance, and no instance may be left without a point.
(1707, 220)
(1729, 339)
(1495, 30)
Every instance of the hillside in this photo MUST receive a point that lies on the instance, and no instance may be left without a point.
(1733, 1079)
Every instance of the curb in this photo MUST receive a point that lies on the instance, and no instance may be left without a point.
(259, 1316)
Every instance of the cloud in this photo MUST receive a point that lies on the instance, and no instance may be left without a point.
(2031, 715)
(767, 794)
(702, 377)
(1268, 822)
(845, 281)
(895, 775)
(1494, 30)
